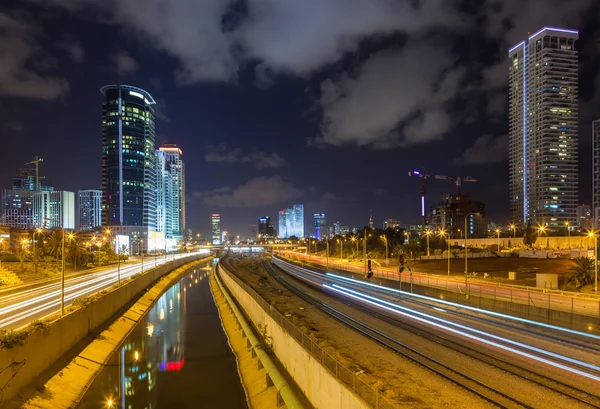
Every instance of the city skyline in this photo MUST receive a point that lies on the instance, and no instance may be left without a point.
(260, 134)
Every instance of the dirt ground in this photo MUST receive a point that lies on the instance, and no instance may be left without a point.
(407, 384)
(498, 268)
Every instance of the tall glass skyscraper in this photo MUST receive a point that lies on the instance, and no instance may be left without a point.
(175, 167)
(543, 128)
(216, 228)
(128, 163)
(291, 222)
(320, 222)
(596, 172)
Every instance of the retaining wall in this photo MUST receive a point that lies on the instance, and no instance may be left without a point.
(319, 386)
(21, 364)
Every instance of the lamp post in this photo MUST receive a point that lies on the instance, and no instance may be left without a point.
(384, 238)
(514, 229)
(35, 260)
(142, 251)
(365, 250)
(327, 247)
(427, 233)
(443, 233)
(62, 280)
(466, 267)
(593, 234)
(541, 229)
(568, 224)
(498, 232)
(341, 248)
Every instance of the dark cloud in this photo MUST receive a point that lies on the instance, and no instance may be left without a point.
(19, 51)
(261, 191)
(15, 126)
(74, 50)
(380, 192)
(259, 159)
(161, 110)
(125, 64)
(486, 150)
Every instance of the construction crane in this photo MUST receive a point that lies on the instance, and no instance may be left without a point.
(36, 161)
(457, 180)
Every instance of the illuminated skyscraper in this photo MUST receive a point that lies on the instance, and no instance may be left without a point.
(596, 172)
(55, 209)
(176, 168)
(128, 163)
(543, 128)
(291, 222)
(320, 222)
(17, 203)
(216, 228)
(282, 232)
(89, 208)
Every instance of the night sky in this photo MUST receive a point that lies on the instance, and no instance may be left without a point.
(323, 102)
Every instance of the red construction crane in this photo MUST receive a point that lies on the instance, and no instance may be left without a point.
(457, 180)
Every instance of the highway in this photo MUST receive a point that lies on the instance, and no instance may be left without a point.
(20, 308)
(509, 362)
(554, 300)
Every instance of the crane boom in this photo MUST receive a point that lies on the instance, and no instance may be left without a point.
(457, 180)
(36, 161)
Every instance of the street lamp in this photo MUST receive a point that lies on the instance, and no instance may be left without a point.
(35, 260)
(498, 232)
(341, 248)
(568, 224)
(593, 234)
(443, 233)
(384, 238)
(428, 233)
(514, 229)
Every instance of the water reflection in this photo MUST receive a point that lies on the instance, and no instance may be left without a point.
(154, 349)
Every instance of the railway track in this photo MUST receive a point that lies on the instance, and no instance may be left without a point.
(463, 380)
(453, 375)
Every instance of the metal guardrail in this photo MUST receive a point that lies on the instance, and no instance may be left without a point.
(574, 303)
(273, 374)
(370, 395)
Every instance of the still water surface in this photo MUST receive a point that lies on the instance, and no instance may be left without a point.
(176, 357)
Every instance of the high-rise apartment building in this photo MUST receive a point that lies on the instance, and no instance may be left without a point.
(128, 164)
(175, 166)
(89, 208)
(17, 203)
(391, 224)
(320, 222)
(450, 214)
(216, 228)
(54, 209)
(596, 172)
(543, 130)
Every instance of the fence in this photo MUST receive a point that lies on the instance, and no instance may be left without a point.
(564, 301)
(347, 377)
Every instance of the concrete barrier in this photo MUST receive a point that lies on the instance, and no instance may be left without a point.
(21, 364)
(318, 384)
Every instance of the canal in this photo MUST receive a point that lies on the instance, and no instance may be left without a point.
(177, 357)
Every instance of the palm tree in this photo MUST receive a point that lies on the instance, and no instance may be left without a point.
(55, 244)
(412, 246)
(582, 272)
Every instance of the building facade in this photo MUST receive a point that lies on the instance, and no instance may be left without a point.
(128, 164)
(320, 221)
(596, 171)
(89, 209)
(216, 228)
(449, 215)
(391, 224)
(543, 128)
(584, 217)
(17, 203)
(55, 209)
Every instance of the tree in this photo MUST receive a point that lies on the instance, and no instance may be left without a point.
(55, 244)
(412, 246)
(529, 238)
(582, 272)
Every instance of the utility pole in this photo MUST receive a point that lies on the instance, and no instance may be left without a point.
(466, 257)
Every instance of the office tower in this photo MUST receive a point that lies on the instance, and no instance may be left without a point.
(391, 224)
(54, 209)
(298, 217)
(265, 228)
(344, 230)
(337, 228)
(320, 222)
(216, 228)
(282, 231)
(176, 167)
(543, 132)
(371, 221)
(89, 208)
(128, 163)
(596, 171)
(17, 203)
